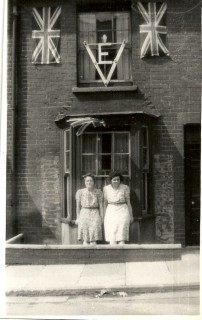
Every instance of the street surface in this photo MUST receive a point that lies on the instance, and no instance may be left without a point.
(167, 303)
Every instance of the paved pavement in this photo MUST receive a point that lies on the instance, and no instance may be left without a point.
(136, 277)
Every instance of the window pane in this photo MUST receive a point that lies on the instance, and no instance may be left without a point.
(121, 163)
(123, 66)
(67, 140)
(89, 143)
(105, 143)
(101, 182)
(144, 136)
(145, 183)
(87, 28)
(87, 68)
(67, 196)
(126, 181)
(104, 164)
(145, 158)
(144, 191)
(104, 26)
(67, 161)
(121, 143)
(122, 26)
(88, 164)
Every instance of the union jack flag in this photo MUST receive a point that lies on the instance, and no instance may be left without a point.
(46, 35)
(152, 34)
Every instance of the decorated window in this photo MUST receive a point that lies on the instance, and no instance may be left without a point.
(104, 46)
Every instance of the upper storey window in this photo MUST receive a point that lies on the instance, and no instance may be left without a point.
(104, 33)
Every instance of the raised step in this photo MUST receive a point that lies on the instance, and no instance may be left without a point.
(80, 254)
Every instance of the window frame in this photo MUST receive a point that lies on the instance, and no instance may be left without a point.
(67, 175)
(145, 171)
(128, 46)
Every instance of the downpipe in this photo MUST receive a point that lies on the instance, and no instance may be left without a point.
(13, 121)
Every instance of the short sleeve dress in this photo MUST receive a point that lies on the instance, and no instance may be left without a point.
(89, 222)
(117, 217)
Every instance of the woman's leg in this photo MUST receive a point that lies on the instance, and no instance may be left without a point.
(122, 242)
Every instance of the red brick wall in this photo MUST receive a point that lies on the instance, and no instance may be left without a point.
(172, 84)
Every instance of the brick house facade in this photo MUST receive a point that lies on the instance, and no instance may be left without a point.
(154, 110)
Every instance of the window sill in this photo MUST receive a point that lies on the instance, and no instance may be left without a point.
(104, 89)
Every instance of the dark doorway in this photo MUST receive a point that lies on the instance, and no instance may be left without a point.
(192, 183)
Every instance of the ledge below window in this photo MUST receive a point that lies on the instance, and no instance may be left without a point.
(103, 89)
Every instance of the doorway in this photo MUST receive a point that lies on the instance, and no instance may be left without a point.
(192, 183)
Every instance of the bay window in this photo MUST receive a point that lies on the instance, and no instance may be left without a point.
(102, 151)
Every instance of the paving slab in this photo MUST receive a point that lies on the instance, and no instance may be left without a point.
(185, 271)
(17, 277)
(56, 277)
(103, 275)
(148, 273)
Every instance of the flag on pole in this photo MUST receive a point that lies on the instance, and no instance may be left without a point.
(46, 35)
(153, 31)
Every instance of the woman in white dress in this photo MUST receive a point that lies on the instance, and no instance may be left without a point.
(117, 209)
(89, 207)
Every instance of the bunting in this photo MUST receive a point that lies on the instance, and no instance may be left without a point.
(153, 31)
(46, 35)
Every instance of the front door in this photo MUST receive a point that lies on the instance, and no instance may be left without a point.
(192, 184)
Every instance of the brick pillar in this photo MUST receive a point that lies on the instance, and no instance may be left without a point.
(164, 198)
(50, 199)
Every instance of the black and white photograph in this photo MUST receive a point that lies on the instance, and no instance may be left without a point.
(100, 158)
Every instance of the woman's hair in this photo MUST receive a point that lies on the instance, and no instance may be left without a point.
(88, 175)
(115, 174)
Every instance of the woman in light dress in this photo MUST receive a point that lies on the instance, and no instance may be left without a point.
(118, 210)
(89, 208)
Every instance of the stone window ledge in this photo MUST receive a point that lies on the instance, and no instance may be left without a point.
(103, 89)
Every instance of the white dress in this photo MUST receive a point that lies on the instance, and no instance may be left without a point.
(117, 217)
